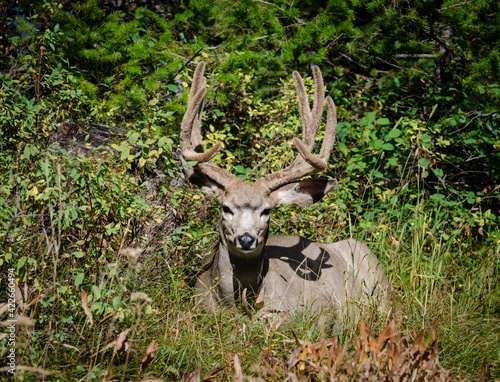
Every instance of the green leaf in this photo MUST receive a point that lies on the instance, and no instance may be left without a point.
(393, 134)
(392, 161)
(79, 279)
(378, 144)
(78, 254)
(423, 162)
(438, 197)
(133, 137)
(383, 121)
(162, 141)
(425, 138)
(370, 117)
(438, 172)
(125, 153)
(172, 88)
(387, 147)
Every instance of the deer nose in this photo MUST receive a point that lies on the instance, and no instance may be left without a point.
(246, 241)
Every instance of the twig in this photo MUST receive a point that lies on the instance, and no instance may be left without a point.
(455, 5)
(421, 55)
(281, 9)
(478, 114)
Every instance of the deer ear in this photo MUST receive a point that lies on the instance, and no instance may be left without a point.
(199, 179)
(304, 192)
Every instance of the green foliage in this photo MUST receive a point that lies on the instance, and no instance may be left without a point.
(395, 58)
(113, 55)
(417, 159)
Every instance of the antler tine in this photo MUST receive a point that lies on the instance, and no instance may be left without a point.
(307, 163)
(311, 119)
(191, 123)
(199, 83)
(191, 140)
(330, 130)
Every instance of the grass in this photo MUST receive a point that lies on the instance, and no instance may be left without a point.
(442, 273)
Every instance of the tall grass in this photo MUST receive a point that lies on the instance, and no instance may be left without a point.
(441, 271)
(444, 276)
(431, 282)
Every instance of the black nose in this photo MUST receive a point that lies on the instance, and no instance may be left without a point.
(246, 241)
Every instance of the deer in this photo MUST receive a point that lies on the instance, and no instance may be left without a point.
(283, 273)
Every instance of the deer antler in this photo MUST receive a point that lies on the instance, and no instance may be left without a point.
(191, 141)
(306, 163)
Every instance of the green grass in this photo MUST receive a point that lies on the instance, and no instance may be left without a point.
(442, 273)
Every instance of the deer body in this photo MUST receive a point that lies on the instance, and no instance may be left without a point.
(319, 278)
(286, 272)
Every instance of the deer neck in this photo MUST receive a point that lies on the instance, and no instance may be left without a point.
(248, 268)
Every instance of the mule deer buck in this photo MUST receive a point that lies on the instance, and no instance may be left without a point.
(288, 273)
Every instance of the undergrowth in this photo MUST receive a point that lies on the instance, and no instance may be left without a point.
(104, 244)
(93, 329)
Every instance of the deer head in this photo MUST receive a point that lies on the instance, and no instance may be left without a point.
(246, 207)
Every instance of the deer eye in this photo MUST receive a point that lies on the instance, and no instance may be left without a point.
(227, 210)
(266, 212)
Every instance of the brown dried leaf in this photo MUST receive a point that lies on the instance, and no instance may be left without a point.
(467, 229)
(294, 357)
(363, 330)
(340, 356)
(419, 343)
(394, 241)
(259, 302)
(281, 320)
(484, 374)
(357, 344)
(19, 295)
(334, 351)
(86, 309)
(384, 336)
(120, 341)
(67, 346)
(269, 357)
(382, 359)
(297, 341)
(193, 376)
(146, 360)
(271, 370)
(213, 370)
(108, 346)
(244, 301)
(238, 371)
